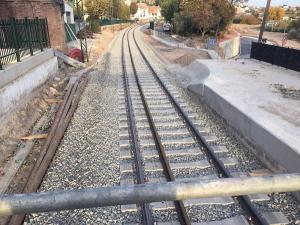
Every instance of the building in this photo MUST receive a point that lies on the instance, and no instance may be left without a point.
(53, 10)
(69, 13)
(128, 2)
(154, 12)
(142, 11)
(146, 12)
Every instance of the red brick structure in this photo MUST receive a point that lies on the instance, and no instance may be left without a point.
(51, 9)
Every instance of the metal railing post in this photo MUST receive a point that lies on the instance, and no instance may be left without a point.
(28, 35)
(48, 35)
(287, 58)
(15, 38)
(86, 51)
(39, 33)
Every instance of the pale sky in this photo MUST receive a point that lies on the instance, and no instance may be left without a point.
(274, 2)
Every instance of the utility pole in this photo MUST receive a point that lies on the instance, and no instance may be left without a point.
(263, 24)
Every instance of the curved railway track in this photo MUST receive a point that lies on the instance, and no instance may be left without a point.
(161, 134)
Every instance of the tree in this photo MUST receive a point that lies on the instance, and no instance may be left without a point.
(97, 8)
(224, 13)
(250, 20)
(276, 13)
(133, 8)
(124, 13)
(234, 2)
(209, 14)
(169, 8)
(202, 13)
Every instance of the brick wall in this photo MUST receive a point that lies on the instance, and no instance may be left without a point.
(38, 8)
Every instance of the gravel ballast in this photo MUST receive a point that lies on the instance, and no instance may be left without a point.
(226, 135)
(89, 153)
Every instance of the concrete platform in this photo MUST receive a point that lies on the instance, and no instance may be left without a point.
(261, 101)
(18, 80)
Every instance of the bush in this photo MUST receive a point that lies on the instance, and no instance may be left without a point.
(278, 27)
(294, 30)
(182, 25)
(250, 20)
(294, 33)
(95, 26)
(236, 20)
(294, 24)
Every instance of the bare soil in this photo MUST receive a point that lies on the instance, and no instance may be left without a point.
(253, 31)
(98, 42)
(20, 122)
(178, 56)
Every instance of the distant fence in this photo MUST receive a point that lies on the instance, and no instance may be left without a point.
(21, 37)
(276, 55)
(107, 21)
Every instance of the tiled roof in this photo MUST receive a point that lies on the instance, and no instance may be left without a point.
(142, 6)
(154, 9)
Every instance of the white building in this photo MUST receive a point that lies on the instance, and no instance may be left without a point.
(142, 11)
(154, 12)
(128, 2)
(146, 12)
(69, 13)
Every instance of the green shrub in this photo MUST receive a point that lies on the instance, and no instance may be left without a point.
(294, 34)
(250, 20)
(294, 24)
(182, 25)
(95, 25)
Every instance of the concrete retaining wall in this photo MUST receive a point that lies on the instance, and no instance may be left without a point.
(275, 153)
(29, 74)
(231, 47)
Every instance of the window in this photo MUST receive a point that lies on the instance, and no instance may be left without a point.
(68, 15)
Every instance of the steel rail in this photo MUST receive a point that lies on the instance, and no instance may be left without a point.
(244, 201)
(179, 206)
(146, 212)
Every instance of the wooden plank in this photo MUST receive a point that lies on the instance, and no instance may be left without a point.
(68, 60)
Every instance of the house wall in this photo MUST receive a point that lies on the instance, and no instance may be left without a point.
(69, 9)
(144, 13)
(38, 8)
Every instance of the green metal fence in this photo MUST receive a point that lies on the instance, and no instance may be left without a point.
(107, 21)
(70, 32)
(22, 37)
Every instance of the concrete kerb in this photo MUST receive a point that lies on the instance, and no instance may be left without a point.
(213, 54)
(20, 88)
(13, 71)
(274, 152)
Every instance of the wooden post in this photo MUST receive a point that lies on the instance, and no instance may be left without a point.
(263, 24)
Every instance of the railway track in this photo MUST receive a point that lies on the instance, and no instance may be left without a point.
(161, 140)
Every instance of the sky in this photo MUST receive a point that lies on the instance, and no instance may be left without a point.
(274, 2)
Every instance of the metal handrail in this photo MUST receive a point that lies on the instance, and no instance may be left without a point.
(146, 193)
